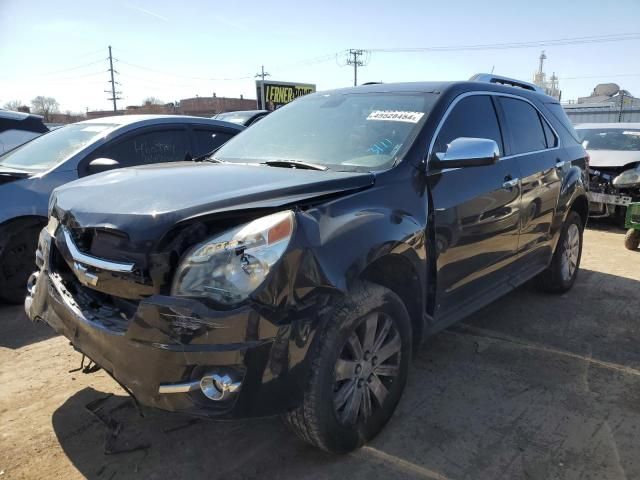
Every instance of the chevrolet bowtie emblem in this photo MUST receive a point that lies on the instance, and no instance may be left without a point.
(83, 275)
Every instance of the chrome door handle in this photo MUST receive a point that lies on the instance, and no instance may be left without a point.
(509, 184)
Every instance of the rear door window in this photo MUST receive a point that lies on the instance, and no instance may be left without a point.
(157, 146)
(524, 125)
(473, 117)
(206, 140)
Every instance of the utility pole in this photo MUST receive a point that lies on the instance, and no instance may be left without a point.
(354, 59)
(262, 75)
(621, 104)
(113, 83)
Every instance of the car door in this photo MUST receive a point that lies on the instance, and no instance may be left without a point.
(143, 146)
(534, 145)
(476, 213)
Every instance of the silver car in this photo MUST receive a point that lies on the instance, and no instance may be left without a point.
(29, 173)
(614, 151)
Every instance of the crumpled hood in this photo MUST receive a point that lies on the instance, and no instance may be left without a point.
(612, 158)
(146, 201)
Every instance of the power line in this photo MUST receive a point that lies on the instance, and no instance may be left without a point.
(513, 45)
(64, 70)
(142, 67)
(604, 75)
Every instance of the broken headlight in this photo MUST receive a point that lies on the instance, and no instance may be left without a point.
(628, 178)
(229, 267)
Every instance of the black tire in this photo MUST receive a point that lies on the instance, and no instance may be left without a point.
(556, 278)
(632, 239)
(318, 420)
(18, 244)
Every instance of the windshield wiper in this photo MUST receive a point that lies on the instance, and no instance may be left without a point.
(295, 164)
(208, 157)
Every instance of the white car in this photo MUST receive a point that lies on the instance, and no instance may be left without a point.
(614, 151)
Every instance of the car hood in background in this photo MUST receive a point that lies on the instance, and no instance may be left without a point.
(612, 158)
(146, 201)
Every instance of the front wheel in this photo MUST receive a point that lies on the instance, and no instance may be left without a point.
(18, 244)
(561, 274)
(359, 370)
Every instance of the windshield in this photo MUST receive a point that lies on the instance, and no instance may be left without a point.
(610, 139)
(46, 151)
(338, 131)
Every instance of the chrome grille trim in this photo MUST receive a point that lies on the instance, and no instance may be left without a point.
(80, 257)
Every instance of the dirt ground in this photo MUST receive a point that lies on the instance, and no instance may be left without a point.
(531, 387)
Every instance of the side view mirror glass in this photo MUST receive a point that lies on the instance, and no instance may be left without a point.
(468, 152)
(102, 165)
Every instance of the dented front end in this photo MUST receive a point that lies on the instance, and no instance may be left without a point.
(180, 353)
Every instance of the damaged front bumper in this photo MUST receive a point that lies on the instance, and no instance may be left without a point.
(178, 354)
(607, 200)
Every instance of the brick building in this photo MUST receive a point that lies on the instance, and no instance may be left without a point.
(209, 106)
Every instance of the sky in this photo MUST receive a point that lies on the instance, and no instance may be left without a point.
(173, 50)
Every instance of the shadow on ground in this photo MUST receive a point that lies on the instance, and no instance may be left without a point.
(18, 331)
(531, 387)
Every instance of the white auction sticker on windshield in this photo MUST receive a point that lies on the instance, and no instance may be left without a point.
(395, 116)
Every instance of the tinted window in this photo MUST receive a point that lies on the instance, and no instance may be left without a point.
(152, 147)
(558, 112)
(207, 140)
(552, 141)
(472, 117)
(524, 124)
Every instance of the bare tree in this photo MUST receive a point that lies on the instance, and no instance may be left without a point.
(44, 106)
(13, 105)
(152, 101)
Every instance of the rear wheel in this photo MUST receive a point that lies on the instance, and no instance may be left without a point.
(632, 239)
(18, 244)
(561, 274)
(359, 371)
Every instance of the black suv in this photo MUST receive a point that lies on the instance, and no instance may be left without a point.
(297, 270)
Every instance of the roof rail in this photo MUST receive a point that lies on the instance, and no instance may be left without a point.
(512, 82)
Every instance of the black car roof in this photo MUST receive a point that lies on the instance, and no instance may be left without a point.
(21, 121)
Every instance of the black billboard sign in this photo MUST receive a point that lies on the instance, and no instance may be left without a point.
(277, 94)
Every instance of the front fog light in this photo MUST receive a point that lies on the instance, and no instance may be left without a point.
(229, 267)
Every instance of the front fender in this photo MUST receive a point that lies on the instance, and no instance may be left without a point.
(29, 197)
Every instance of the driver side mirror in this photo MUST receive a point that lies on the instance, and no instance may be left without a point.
(468, 152)
(102, 165)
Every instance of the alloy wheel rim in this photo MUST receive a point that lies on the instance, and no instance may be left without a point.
(571, 252)
(366, 368)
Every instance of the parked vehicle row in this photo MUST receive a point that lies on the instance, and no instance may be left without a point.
(28, 174)
(298, 270)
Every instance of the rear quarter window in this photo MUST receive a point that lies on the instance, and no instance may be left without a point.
(567, 132)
